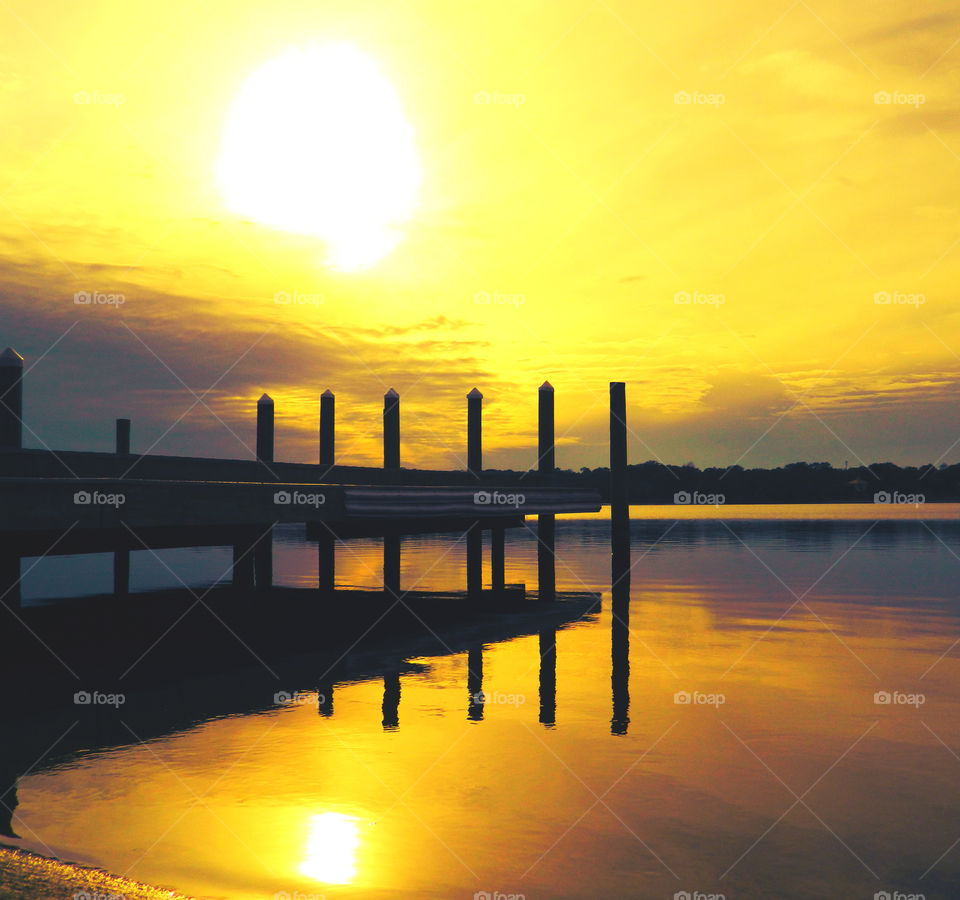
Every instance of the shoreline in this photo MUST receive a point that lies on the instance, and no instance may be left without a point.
(25, 875)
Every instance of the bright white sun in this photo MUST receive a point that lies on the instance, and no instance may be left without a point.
(317, 143)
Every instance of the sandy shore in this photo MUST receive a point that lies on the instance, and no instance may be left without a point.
(24, 876)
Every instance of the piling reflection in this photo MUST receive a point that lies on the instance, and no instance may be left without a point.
(391, 701)
(548, 676)
(620, 633)
(475, 684)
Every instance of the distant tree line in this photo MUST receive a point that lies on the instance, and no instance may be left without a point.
(797, 482)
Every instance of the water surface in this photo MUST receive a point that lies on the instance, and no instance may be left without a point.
(773, 712)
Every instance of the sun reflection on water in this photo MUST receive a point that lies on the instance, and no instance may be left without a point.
(331, 849)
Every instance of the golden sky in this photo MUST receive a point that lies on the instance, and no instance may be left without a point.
(563, 174)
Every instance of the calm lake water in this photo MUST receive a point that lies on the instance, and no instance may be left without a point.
(788, 726)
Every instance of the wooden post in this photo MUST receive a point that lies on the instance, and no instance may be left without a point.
(391, 564)
(497, 558)
(11, 400)
(474, 433)
(474, 562)
(243, 567)
(391, 430)
(546, 523)
(263, 562)
(265, 429)
(123, 437)
(10, 579)
(545, 454)
(121, 573)
(619, 507)
(326, 561)
(327, 425)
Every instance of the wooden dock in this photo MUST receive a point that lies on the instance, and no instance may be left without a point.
(61, 501)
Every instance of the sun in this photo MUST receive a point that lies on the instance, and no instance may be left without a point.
(317, 143)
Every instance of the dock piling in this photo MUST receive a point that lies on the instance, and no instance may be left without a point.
(327, 427)
(474, 561)
(265, 429)
(391, 430)
(546, 523)
(475, 433)
(11, 400)
(619, 501)
(123, 437)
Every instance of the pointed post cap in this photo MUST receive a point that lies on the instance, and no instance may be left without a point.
(391, 394)
(265, 400)
(10, 357)
(327, 393)
(546, 386)
(474, 395)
